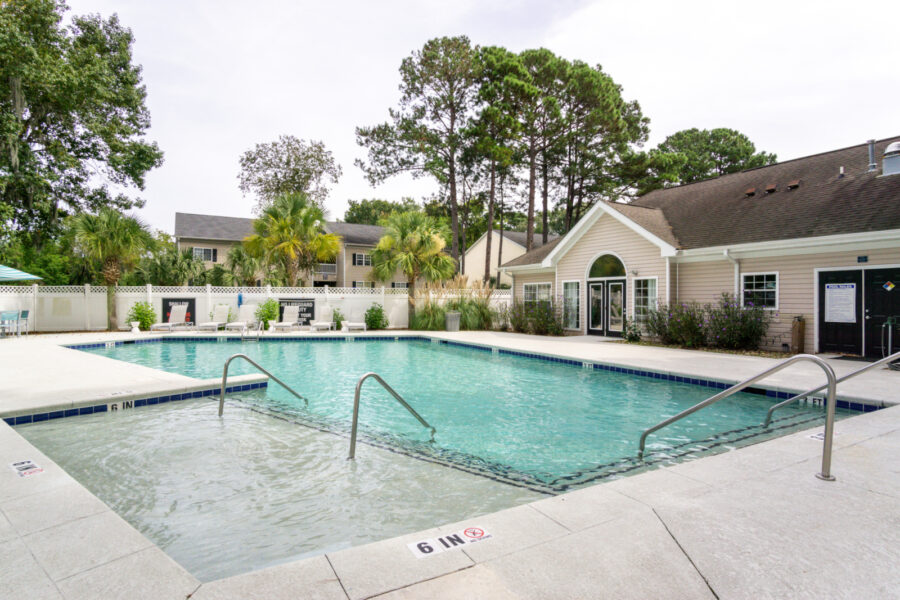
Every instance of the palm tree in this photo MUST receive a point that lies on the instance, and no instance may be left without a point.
(116, 241)
(413, 243)
(242, 267)
(171, 267)
(290, 234)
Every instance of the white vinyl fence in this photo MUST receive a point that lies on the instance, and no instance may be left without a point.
(83, 308)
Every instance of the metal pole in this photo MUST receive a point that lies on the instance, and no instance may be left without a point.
(829, 428)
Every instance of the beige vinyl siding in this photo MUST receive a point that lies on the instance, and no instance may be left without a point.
(475, 257)
(521, 280)
(608, 235)
(348, 273)
(221, 247)
(704, 281)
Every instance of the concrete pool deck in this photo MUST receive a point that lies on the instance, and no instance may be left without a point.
(750, 523)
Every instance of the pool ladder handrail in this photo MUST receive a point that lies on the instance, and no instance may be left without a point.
(393, 393)
(252, 334)
(851, 375)
(825, 474)
(258, 366)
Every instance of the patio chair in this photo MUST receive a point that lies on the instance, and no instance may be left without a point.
(23, 320)
(326, 322)
(355, 322)
(9, 322)
(246, 318)
(219, 319)
(290, 318)
(176, 319)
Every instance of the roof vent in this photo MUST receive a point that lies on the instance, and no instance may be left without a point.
(749, 192)
(873, 166)
(793, 185)
(891, 159)
(770, 189)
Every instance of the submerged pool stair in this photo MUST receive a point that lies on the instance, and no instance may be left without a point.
(830, 402)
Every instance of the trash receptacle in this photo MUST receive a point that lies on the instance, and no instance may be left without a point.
(451, 321)
(798, 334)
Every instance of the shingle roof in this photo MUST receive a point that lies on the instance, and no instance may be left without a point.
(235, 229)
(212, 227)
(717, 212)
(535, 256)
(519, 237)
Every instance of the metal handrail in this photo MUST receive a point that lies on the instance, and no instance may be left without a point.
(877, 363)
(258, 366)
(258, 331)
(396, 397)
(829, 408)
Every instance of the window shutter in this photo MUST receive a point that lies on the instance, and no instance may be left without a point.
(354, 258)
(354, 264)
(215, 254)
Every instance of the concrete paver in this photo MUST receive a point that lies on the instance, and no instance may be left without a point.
(22, 576)
(310, 579)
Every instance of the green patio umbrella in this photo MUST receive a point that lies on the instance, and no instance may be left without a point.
(10, 274)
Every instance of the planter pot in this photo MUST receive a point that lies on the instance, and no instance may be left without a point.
(451, 321)
(135, 327)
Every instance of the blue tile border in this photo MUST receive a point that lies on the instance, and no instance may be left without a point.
(138, 403)
(710, 383)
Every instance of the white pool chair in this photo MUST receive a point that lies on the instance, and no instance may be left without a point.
(176, 319)
(290, 318)
(355, 322)
(219, 319)
(246, 318)
(325, 321)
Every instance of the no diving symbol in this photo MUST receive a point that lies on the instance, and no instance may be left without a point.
(474, 532)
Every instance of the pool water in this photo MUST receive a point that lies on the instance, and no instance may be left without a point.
(548, 426)
(269, 482)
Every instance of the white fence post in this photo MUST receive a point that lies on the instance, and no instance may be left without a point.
(87, 307)
(34, 291)
(150, 293)
(209, 305)
(383, 302)
(268, 291)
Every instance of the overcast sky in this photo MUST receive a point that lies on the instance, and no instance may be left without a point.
(797, 77)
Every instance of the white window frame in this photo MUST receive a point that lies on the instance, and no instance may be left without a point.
(577, 301)
(402, 285)
(777, 287)
(203, 251)
(364, 284)
(365, 259)
(654, 300)
(537, 285)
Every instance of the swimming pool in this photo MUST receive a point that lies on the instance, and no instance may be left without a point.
(549, 426)
(269, 481)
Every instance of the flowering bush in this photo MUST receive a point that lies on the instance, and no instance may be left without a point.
(726, 324)
(540, 318)
(735, 327)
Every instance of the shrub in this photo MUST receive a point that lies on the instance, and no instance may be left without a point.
(732, 326)
(632, 332)
(375, 317)
(679, 324)
(143, 313)
(338, 317)
(545, 318)
(518, 317)
(502, 318)
(267, 311)
(430, 317)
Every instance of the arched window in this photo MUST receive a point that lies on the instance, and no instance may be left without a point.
(607, 266)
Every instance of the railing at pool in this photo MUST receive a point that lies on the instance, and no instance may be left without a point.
(261, 368)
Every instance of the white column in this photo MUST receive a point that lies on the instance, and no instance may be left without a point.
(668, 282)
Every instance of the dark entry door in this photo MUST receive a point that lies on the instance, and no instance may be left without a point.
(882, 298)
(840, 311)
(606, 300)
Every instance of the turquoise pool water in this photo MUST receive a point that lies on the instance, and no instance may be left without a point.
(545, 426)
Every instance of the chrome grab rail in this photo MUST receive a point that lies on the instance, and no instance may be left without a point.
(396, 396)
(829, 407)
(245, 333)
(877, 363)
(257, 365)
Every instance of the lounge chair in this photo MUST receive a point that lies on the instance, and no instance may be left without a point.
(219, 318)
(246, 318)
(325, 322)
(354, 322)
(23, 318)
(290, 318)
(176, 319)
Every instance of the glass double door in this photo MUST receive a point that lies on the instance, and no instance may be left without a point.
(606, 300)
